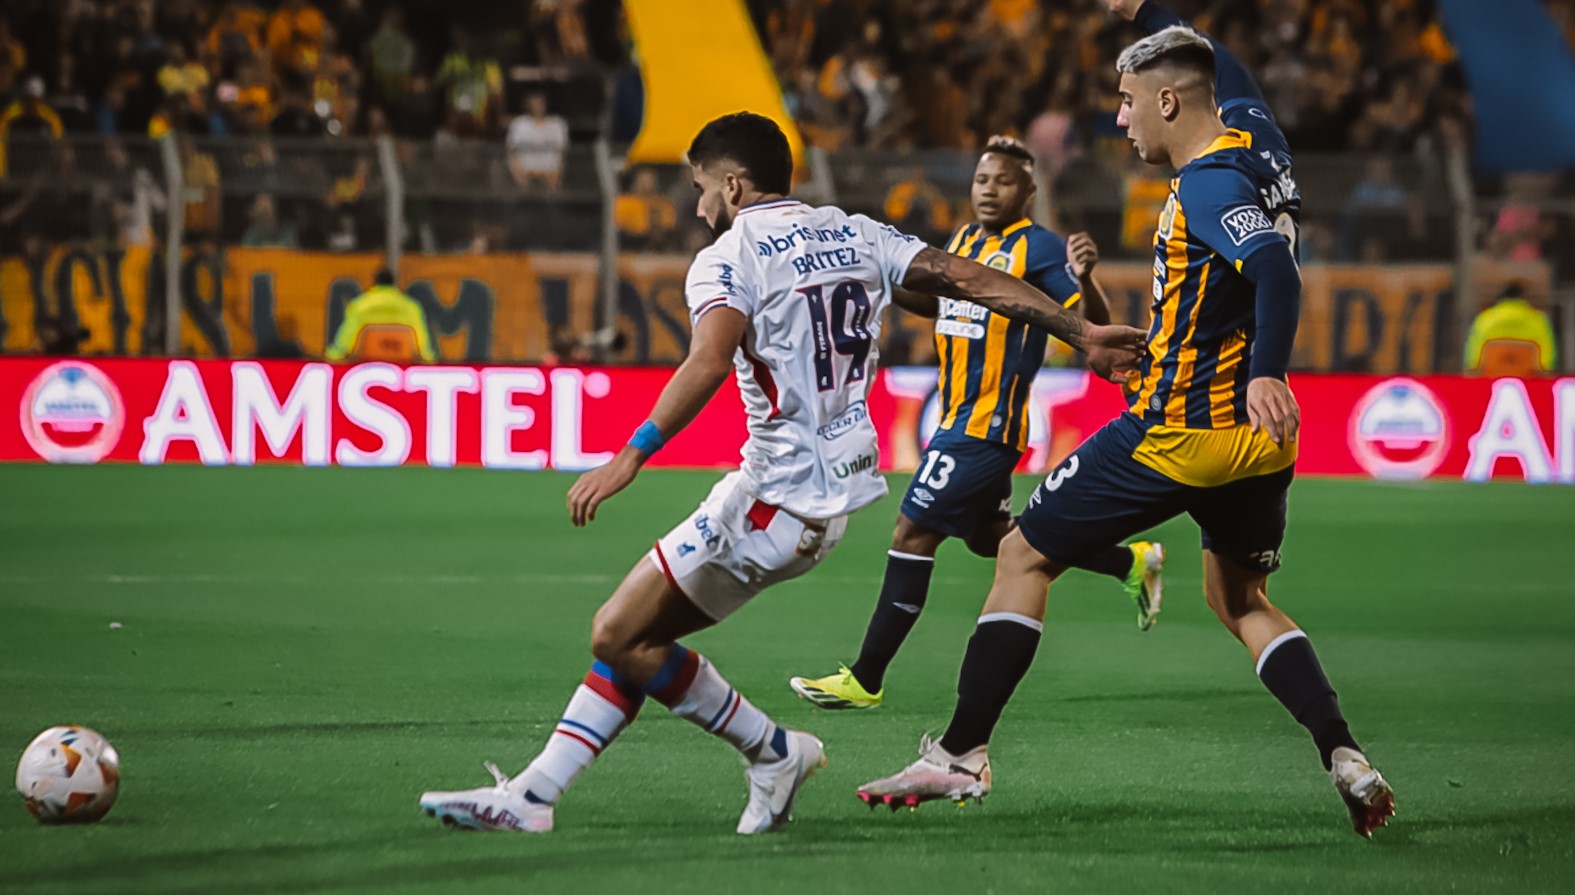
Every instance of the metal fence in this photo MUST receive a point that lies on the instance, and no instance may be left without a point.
(180, 194)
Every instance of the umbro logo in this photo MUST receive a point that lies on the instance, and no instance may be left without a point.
(907, 607)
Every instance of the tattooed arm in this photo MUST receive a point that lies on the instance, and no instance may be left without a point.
(1110, 350)
(942, 273)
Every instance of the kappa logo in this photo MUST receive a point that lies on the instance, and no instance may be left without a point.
(685, 549)
(1244, 222)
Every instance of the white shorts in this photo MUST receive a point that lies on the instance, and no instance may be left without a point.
(733, 546)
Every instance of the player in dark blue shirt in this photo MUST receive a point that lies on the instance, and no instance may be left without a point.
(1210, 432)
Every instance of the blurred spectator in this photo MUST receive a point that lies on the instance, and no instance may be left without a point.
(352, 25)
(917, 206)
(236, 37)
(254, 97)
(200, 191)
(263, 229)
(343, 236)
(181, 75)
(68, 99)
(1521, 226)
(393, 57)
(1052, 135)
(107, 115)
(345, 201)
(474, 84)
(1375, 213)
(296, 117)
(1511, 337)
(383, 324)
(13, 58)
(295, 39)
(336, 92)
(647, 220)
(29, 129)
(536, 144)
(417, 116)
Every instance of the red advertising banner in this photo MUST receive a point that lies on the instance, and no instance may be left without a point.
(246, 412)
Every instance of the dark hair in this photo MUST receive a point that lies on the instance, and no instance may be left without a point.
(754, 143)
(383, 277)
(1009, 147)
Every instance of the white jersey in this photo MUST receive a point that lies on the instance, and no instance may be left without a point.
(814, 283)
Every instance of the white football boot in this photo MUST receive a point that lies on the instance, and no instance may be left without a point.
(774, 785)
(937, 774)
(493, 808)
(1366, 793)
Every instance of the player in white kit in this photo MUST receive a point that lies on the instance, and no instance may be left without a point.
(789, 299)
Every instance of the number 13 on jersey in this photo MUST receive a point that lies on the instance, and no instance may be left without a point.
(845, 329)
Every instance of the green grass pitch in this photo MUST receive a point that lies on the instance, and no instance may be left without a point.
(304, 651)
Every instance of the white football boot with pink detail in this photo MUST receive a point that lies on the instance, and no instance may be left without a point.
(495, 808)
(937, 774)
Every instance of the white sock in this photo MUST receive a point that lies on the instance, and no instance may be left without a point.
(711, 703)
(596, 714)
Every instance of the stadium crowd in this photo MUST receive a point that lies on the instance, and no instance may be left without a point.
(507, 88)
(1341, 74)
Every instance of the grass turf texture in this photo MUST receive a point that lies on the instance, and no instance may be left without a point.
(304, 651)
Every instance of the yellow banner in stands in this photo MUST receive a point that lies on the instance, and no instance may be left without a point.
(700, 62)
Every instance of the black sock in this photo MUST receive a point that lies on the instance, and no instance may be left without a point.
(999, 653)
(902, 596)
(1113, 561)
(1290, 669)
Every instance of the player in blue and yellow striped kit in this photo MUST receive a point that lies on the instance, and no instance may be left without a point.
(963, 487)
(1211, 429)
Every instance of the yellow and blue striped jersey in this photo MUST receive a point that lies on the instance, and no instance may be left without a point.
(1229, 202)
(987, 361)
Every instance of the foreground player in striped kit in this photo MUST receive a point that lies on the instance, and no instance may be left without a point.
(789, 300)
(1210, 431)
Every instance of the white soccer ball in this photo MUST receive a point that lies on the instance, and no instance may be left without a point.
(69, 775)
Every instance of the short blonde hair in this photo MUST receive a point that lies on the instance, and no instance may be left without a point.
(1177, 44)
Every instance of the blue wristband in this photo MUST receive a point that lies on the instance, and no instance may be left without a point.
(647, 439)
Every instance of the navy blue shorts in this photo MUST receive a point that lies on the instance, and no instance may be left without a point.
(963, 483)
(1100, 496)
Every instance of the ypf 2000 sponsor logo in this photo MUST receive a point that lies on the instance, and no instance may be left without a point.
(1399, 430)
(72, 413)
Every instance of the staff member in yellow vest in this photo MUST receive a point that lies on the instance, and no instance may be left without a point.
(1511, 337)
(383, 324)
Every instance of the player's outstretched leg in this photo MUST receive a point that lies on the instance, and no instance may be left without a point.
(1139, 566)
(634, 640)
(1291, 671)
(957, 766)
(903, 593)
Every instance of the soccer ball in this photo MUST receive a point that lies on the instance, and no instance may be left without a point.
(69, 775)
